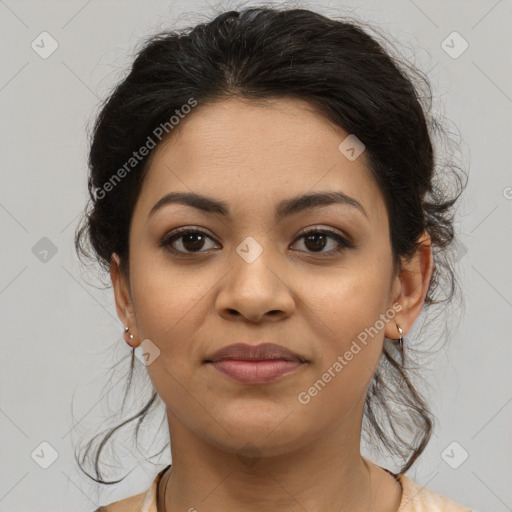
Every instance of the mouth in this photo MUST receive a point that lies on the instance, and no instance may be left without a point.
(255, 364)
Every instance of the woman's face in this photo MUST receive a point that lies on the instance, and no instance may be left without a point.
(252, 278)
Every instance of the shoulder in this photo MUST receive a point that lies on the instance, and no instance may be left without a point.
(143, 502)
(421, 499)
(131, 504)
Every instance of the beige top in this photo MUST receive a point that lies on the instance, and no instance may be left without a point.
(414, 499)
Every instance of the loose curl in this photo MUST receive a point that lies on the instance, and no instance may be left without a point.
(260, 53)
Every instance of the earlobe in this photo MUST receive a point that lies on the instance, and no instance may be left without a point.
(124, 306)
(129, 338)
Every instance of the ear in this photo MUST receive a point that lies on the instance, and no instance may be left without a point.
(124, 306)
(410, 287)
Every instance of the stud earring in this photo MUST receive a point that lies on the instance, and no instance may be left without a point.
(126, 329)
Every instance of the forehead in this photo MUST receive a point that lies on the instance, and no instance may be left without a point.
(248, 154)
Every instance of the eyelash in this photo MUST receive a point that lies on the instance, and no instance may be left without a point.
(167, 241)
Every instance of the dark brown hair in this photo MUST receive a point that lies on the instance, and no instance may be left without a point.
(260, 53)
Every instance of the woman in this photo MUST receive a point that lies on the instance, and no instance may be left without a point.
(264, 196)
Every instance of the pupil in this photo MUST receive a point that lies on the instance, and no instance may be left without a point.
(315, 237)
(188, 241)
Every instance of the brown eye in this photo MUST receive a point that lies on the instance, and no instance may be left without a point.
(316, 240)
(185, 241)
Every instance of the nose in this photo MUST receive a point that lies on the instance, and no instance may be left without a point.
(253, 291)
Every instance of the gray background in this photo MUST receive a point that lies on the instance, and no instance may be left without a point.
(59, 334)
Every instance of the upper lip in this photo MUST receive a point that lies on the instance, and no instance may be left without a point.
(262, 352)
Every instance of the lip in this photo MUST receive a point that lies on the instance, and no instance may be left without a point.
(261, 352)
(255, 364)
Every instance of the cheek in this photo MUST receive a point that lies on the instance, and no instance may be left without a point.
(170, 309)
(169, 302)
(344, 303)
(344, 315)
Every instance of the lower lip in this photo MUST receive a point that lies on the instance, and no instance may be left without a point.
(256, 372)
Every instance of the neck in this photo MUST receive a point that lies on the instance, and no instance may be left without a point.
(326, 474)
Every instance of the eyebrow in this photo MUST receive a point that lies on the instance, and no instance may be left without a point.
(285, 208)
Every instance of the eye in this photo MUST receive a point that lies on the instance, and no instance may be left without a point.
(191, 240)
(317, 239)
(187, 241)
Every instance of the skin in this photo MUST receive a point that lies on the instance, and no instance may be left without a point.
(307, 457)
